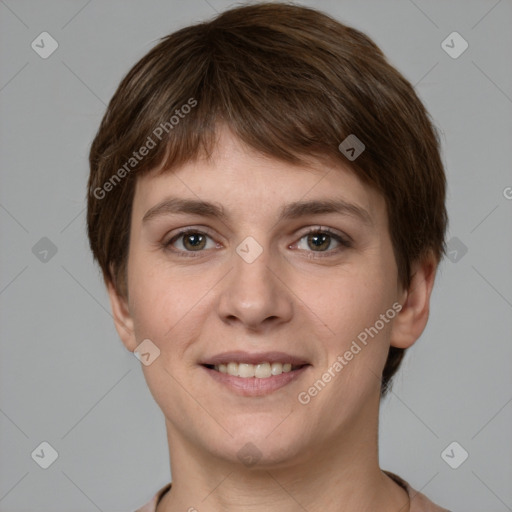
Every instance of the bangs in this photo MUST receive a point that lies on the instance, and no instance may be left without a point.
(277, 106)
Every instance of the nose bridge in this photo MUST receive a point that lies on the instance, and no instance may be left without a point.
(253, 293)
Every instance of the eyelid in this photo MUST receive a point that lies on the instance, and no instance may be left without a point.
(188, 229)
(330, 231)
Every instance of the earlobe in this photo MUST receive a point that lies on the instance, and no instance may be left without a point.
(412, 319)
(122, 318)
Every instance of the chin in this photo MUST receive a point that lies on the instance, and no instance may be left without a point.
(260, 442)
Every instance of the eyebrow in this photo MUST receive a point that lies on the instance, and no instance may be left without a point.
(174, 205)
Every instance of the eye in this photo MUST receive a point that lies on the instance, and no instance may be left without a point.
(321, 240)
(191, 240)
(317, 240)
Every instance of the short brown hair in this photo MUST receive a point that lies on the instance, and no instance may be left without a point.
(290, 82)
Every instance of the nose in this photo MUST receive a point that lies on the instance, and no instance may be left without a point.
(255, 294)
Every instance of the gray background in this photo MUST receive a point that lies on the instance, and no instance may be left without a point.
(65, 376)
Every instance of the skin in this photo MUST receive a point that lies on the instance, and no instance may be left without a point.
(293, 298)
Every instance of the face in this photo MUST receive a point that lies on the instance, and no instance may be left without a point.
(274, 319)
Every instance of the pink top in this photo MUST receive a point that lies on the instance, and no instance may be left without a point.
(419, 502)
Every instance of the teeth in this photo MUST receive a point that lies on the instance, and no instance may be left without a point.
(276, 368)
(246, 370)
(260, 371)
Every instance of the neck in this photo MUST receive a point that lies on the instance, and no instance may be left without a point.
(340, 473)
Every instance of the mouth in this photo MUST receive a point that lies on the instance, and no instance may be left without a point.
(254, 374)
(264, 370)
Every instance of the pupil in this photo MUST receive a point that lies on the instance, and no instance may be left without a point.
(316, 238)
(194, 240)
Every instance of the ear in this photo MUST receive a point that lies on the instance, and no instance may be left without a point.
(412, 319)
(122, 317)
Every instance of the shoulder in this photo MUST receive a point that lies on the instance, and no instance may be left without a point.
(151, 505)
(419, 502)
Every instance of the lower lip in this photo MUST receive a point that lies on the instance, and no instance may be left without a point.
(253, 386)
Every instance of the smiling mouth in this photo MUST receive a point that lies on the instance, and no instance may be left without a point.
(262, 370)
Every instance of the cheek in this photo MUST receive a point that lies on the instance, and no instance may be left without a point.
(165, 306)
(355, 301)
(357, 314)
(165, 311)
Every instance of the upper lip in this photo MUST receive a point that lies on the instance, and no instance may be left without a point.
(240, 356)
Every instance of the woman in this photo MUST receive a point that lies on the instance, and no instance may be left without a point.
(267, 205)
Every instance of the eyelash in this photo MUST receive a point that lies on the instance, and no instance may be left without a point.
(344, 242)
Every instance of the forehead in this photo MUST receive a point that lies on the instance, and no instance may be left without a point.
(237, 178)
